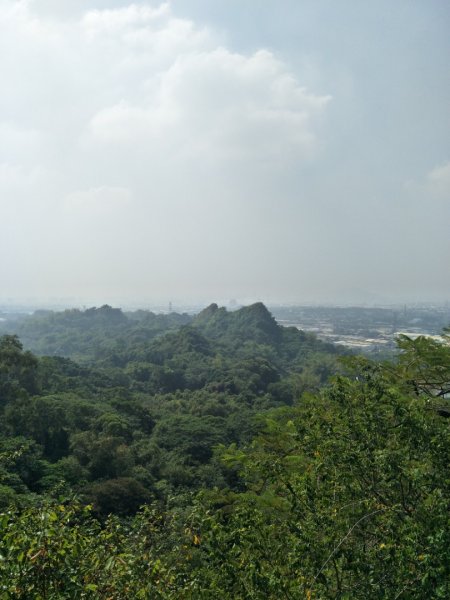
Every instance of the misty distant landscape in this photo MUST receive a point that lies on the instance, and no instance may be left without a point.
(372, 330)
(224, 300)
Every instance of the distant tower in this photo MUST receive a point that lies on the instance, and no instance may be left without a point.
(394, 322)
(170, 307)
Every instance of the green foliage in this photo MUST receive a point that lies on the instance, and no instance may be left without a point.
(93, 334)
(17, 370)
(268, 483)
(198, 385)
(425, 364)
(346, 496)
(59, 551)
(122, 496)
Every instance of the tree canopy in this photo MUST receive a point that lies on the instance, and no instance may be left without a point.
(257, 475)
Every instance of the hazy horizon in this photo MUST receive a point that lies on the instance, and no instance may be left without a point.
(195, 152)
(29, 305)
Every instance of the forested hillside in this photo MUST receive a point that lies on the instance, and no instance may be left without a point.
(92, 334)
(213, 457)
(134, 415)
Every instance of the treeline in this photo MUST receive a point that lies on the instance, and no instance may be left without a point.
(89, 335)
(333, 491)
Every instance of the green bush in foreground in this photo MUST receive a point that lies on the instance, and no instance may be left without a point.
(61, 551)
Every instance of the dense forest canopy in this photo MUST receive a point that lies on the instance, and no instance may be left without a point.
(218, 456)
(139, 401)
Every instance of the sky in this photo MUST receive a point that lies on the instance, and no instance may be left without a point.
(290, 151)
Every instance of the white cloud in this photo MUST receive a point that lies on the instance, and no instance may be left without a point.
(222, 105)
(18, 144)
(138, 74)
(132, 124)
(438, 180)
(13, 176)
(136, 142)
(434, 185)
(128, 19)
(98, 200)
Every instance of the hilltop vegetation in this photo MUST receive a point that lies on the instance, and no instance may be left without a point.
(134, 408)
(92, 334)
(259, 477)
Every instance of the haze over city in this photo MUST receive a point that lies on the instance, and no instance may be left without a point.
(293, 151)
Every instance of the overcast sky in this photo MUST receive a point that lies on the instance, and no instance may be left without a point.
(199, 150)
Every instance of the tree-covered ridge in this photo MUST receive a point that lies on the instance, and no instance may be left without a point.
(253, 323)
(90, 334)
(343, 494)
(141, 422)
